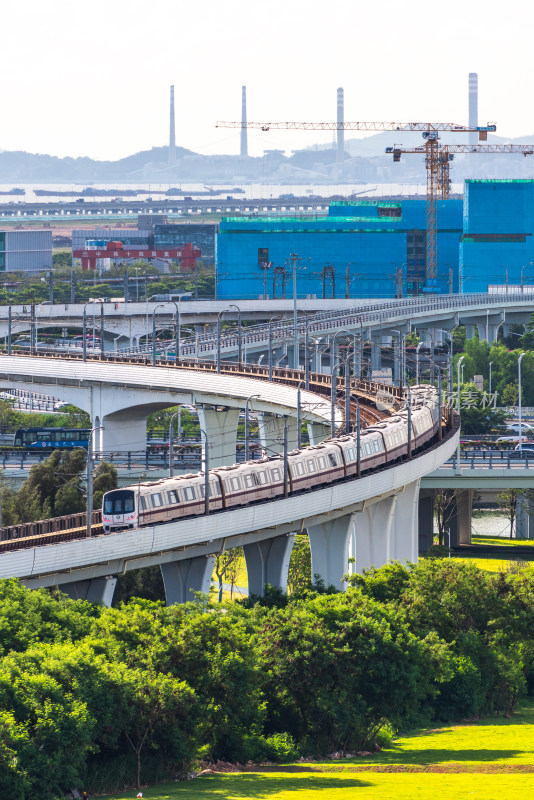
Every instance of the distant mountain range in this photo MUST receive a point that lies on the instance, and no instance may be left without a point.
(366, 162)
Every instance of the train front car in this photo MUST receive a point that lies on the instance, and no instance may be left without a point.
(119, 510)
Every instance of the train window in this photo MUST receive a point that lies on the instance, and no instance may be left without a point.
(275, 474)
(189, 493)
(214, 488)
(376, 445)
(144, 504)
(322, 462)
(156, 499)
(332, 458)
(299, 466)
(249, 481)
(311, 465)
(261, 477)
(236, 484)
(350, 454)
(172, 496)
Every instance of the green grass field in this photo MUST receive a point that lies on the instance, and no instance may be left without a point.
(489, 760)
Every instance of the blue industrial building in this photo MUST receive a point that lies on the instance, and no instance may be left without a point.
(497, 246)
(361, 249)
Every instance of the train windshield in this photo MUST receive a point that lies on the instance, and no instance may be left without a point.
(120, 502)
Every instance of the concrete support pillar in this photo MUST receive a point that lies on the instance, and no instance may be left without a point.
(458, 517)
(405, 531)
(268, 563)
(469, 331)
(221, 430)
(182, 578)
(330, 544)
(271, 433)
(426, 520)
(525, 516)
(464, 510)
(121, 433)
(317, 432)
(396, 362)
(376, 354)
(95, 590)
(373, 529)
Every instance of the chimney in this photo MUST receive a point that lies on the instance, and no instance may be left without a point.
(473, 106)
(244, 132)
(172, 139)
(340, 156)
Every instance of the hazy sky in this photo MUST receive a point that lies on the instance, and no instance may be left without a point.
(92, 78)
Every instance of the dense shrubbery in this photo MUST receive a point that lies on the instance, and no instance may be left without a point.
(107, 697)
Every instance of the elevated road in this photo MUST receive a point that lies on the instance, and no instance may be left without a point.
(367, 319)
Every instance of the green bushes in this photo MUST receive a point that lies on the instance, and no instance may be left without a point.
(101, 698)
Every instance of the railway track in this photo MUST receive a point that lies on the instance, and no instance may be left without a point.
(69, 528)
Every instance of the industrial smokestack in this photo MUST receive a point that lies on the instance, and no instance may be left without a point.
(244, 137)
(473, 106)
(340, 132)
(172, 139)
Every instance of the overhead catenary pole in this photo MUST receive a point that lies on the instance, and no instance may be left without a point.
(9, 329)
(171, 440)
(160, 305)
(247, 424)
(519, 360)
(458, 367)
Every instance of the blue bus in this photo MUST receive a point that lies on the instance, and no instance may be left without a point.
(51, 438)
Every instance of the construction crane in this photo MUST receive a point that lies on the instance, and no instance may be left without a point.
(437, 162)
(362, 126)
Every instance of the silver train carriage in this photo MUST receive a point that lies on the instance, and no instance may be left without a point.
(183, 496)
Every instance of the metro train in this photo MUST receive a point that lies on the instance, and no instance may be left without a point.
(331, 460)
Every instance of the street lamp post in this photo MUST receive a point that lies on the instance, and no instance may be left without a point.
(159, 305)
(247, 424)
(219, 315)
(178, 323)
(489, 380)
(89, 480)
(171, 439)
(417, 363)
(295, 259)
(239, 340)
(409, 402)
(9, 322)
(520, 401)
(458, 367)
(333, 394)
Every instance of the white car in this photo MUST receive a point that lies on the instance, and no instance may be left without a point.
(516, 429)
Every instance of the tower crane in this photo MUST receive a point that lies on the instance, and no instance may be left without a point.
(437, 173)
(363, 126)
(437, 162)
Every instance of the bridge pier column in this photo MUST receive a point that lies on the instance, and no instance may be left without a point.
(405, 532)
(317, 432)
(95, 590)
(268, 563)
(373, 529)
(120, 433)
(458, 516)
(426, 520)
(469, 331)
(221, 431)
(330, 543)
(182, 578)
(376, 353)
(271, 433)
(524, 528)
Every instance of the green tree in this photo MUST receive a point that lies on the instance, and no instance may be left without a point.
(105, 479)
(508, 500)
(299, 575)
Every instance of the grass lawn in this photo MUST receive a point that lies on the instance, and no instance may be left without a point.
(489, 760)
(501, 540)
